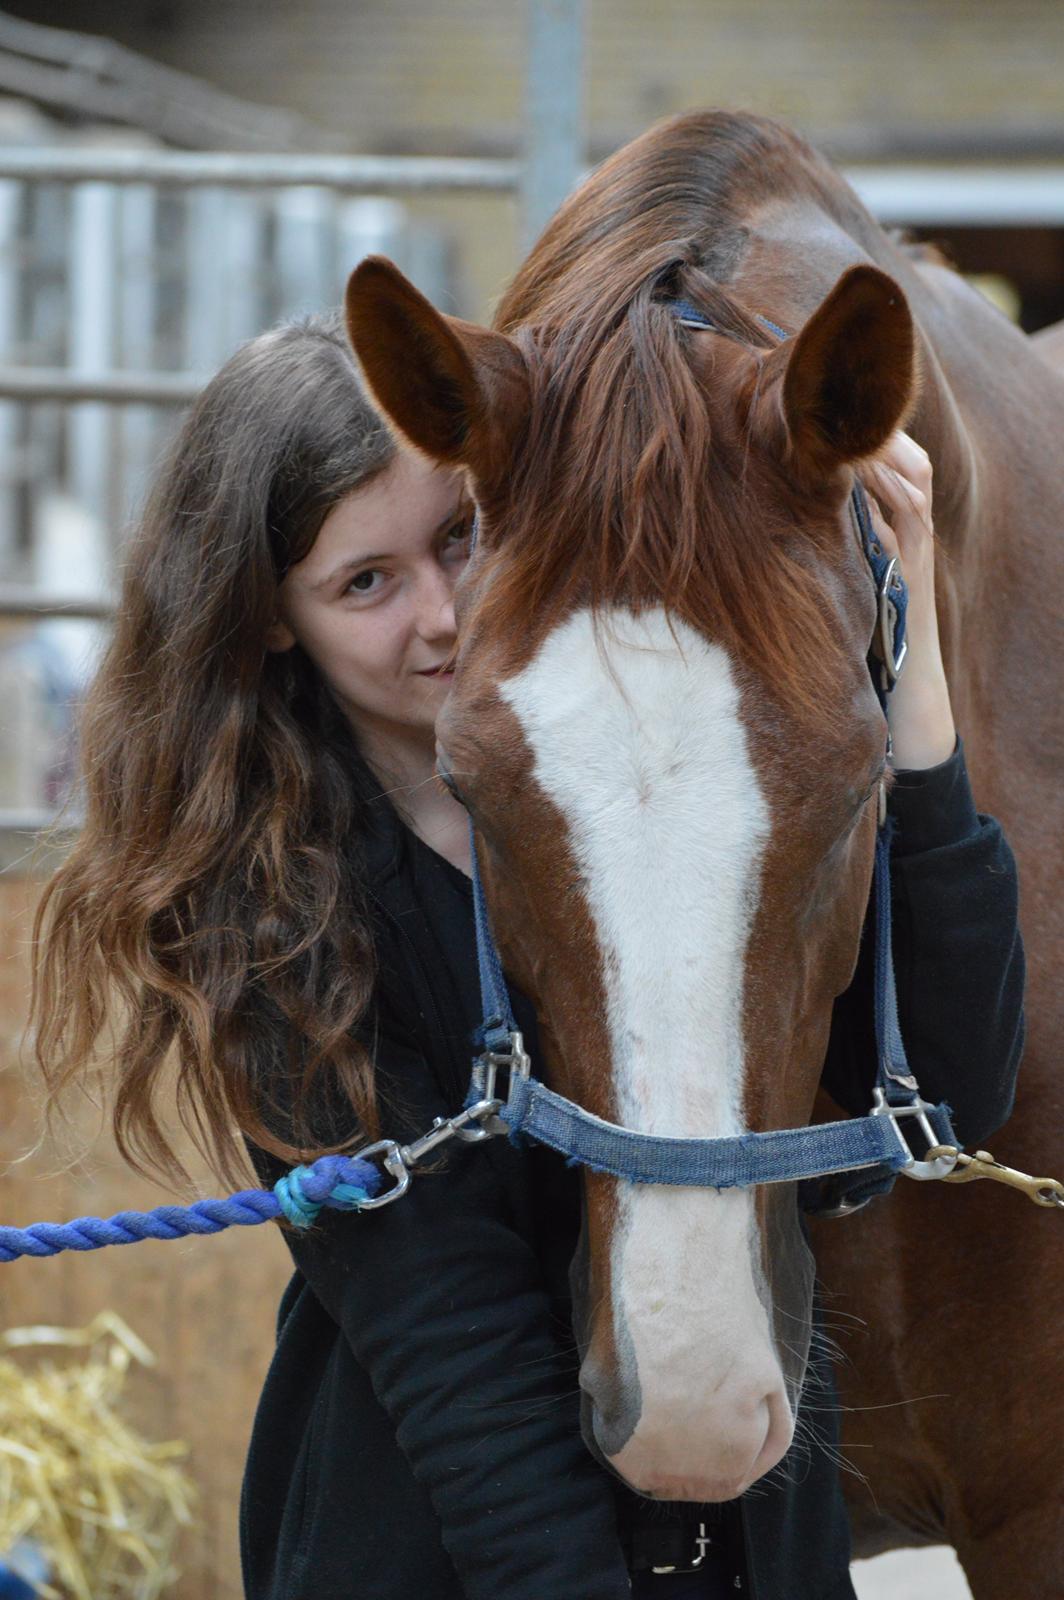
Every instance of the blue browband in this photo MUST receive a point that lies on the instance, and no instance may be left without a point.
(873, 1147)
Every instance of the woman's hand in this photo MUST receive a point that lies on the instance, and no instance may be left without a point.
(918, 710)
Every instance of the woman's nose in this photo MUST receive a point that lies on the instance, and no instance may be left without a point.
(436, 608)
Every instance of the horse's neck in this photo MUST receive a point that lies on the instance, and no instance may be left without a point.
(990, 414)
(990, 411)
(983, 382)
(995, 396)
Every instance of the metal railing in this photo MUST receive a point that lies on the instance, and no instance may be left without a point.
(349, 176)
(552, 159)
(115, 388)
(353, 175)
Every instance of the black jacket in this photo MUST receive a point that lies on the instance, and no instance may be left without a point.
(418, 1435)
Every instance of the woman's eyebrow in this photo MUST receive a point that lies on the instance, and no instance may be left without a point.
(382, 555)
(347, 566)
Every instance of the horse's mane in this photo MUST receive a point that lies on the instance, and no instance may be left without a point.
(634, 483)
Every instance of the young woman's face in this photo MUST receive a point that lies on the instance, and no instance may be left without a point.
(371, 603)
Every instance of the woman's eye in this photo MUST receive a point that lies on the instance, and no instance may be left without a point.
(362, 583)
(457, 538)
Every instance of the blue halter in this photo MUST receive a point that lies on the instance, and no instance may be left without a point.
(873, 1148)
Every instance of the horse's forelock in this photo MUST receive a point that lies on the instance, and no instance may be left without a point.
(637, 483)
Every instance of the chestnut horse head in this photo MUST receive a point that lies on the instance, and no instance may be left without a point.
(663, 724)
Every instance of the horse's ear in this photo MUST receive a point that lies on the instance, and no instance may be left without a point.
(849, 376)
(458, 392)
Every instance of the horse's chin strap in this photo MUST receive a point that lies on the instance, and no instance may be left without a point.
(871, 1150)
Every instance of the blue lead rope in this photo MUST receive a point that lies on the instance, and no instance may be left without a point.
(340, 1182)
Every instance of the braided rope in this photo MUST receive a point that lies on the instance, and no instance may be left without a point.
(339, 1182)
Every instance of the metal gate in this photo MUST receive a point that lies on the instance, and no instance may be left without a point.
(309, 217)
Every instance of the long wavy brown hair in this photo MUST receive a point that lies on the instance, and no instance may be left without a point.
(211, 916)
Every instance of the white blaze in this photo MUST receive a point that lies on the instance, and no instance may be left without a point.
(637, 738)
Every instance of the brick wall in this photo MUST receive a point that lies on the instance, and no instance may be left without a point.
(418, 75)
(205, 1307)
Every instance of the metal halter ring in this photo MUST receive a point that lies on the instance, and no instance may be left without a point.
(940, 1165)
(892, 584)
(516, 1060)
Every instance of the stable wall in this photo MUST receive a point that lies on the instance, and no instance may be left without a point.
(865, 77)
(206, 1307)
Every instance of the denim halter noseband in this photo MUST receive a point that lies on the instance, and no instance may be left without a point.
(873, 1148)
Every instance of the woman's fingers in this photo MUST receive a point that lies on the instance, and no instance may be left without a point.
(905, 497)
(907, 501)
(910, 458)
(903, 478)
(883, 530)
(900, 495)
(919, 711)
(911, 462)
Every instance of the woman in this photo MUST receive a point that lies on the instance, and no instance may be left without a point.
(271, 885)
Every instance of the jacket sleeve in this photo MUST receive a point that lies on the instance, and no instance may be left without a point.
(441, 1301)
(958, 959)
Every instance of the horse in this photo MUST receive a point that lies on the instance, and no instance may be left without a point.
(664, 727)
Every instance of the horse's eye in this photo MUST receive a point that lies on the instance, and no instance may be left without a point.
(869, 794)
(449, 784)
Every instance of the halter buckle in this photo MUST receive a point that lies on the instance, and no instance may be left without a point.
(943, 1158)
(516, 1060)
(892, 584)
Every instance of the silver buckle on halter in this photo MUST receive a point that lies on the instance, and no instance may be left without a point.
(940, 1166)
(888, 623)
(486, 1067)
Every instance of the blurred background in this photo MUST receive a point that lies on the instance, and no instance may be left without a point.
(176, 175)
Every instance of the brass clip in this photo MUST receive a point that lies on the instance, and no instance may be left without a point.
(1043, 1191)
